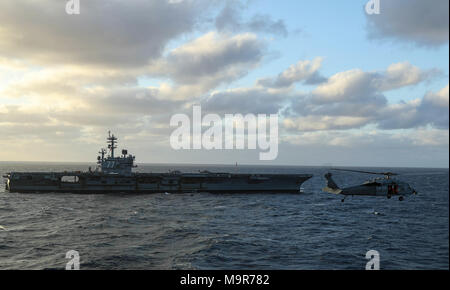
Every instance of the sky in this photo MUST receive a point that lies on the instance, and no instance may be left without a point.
(349, 88)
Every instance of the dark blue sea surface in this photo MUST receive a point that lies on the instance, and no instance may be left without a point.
(311, 230)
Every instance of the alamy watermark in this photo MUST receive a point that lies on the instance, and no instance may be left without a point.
(74, 262)
(233, 132)
(73, 7)
(374, 260)
(373, 7)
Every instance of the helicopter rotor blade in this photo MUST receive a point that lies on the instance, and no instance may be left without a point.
(368, 172)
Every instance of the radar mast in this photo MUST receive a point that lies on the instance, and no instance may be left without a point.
(112, 141)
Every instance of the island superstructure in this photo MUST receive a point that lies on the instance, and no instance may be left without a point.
(114, 174)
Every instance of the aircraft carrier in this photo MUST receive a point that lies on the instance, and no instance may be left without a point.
(114, 174)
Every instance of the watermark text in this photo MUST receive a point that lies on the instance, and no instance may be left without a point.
(373, 7)
(374, 260)
(235, 131)
(74, 262)
(73, 7)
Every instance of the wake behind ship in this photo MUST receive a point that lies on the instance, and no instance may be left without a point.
(114, 174)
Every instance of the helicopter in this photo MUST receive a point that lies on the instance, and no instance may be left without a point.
(381, 186)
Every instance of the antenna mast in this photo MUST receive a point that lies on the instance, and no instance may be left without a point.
(112, 141)
(102, 152)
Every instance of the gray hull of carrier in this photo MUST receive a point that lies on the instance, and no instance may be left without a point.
(86, 182)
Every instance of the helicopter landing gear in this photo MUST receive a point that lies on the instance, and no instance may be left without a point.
(400, 198)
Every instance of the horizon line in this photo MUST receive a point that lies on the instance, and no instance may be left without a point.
(231, 165)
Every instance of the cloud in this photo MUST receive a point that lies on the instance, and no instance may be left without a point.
(402, 74)
(344, 86)
(65, 80)
(347, 100)
(333, 138)
(365, 107)
(128, 66)
(230, 19)
(432, 110)
(106, 33)
(373, 139)
(354, 99)
(13, 114)
(427, 137)
(210, 60)
(245, 100)
(303, 71)
(416, 21)
(109, 108)
(418, 147)
(74, 96)
(324, 123)
(81, 97)
(357, 85)
(439, 99)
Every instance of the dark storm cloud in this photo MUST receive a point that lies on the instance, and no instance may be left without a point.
(418, 21)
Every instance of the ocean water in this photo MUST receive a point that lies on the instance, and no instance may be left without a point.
(311, 230)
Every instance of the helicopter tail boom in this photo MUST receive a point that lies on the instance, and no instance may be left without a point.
(331, 185)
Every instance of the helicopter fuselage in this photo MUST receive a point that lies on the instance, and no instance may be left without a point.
(386, 186)
(379, 187)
